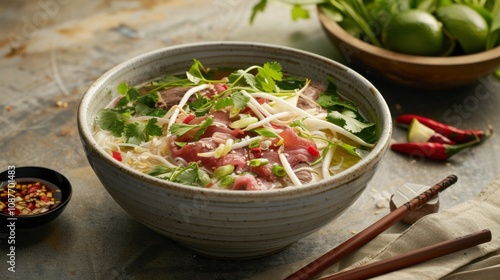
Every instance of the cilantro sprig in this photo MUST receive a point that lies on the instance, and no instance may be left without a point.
(345, 114)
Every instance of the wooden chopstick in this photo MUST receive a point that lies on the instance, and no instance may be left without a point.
(413, 257)
(363, 237)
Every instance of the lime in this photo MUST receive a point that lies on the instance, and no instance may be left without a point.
(465, 24)
(418, 132)
(414, 32)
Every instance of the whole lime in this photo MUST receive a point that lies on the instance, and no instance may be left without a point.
(414, 32)
(466, 25)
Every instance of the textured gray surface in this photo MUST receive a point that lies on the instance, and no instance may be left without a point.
(53, 50)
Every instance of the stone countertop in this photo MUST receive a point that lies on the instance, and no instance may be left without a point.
(52, 50)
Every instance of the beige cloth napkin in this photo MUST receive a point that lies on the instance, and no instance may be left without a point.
(479, 262)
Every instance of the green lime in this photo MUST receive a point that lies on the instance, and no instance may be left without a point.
(465, 24)
(418, 132)
(414, 32)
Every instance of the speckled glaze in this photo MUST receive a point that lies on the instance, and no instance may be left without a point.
(231, 224)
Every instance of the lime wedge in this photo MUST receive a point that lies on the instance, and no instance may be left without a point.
(417, 132)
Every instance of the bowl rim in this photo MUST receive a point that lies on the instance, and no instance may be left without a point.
(336, 30)
(68, 188)
(284, 193)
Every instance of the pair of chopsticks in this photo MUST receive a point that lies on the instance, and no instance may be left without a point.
(398, 262)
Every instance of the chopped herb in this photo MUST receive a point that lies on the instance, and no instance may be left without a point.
(134, 133)
(180, 129)
(111, 120)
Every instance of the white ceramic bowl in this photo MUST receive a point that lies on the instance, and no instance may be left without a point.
(231, 224)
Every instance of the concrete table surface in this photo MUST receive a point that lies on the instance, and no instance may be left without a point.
(52, 50)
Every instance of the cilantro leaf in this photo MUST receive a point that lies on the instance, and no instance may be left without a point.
(134, 133)
(180, 129)
(111, 120)
(194, 73)
(237, 75)
(240, 100)
(203, 127)
(267, 75)
(348, 122)
(299, 12)
(122, 88)
(223, 103)
(152, 129)
(259, 7)
(331, 100)
(354, 123)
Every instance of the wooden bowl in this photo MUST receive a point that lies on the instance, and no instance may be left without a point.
(410, 70)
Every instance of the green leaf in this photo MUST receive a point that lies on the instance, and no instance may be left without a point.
(111, 120)
(348, 122)
(134, 133)
(298, 12)
(266, 132)
(348, 148)
(240, 100)
(122, 88)
(223, 103)
(194, 73)
(267, 75)
(159, 170)
(203, 127)
(180, 129)
(259, 7)
(152, 129)
(236, 76)
(201, 105)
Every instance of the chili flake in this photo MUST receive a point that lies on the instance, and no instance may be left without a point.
(29, 198)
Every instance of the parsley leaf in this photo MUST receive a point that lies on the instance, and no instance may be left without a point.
(223, 103)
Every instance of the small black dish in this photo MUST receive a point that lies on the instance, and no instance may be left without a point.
(51, 178)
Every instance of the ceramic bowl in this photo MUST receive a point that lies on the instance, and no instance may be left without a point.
(225, 223)
(415, 71)
(60, 186)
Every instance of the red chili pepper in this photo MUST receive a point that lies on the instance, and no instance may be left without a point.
(188, 119)
(117, 156)
(437, 151)
(33, 188)
(440, 138)
(256, 152)
(455, 134)
(313, 151)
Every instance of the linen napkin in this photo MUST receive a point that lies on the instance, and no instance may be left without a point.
(479, 262)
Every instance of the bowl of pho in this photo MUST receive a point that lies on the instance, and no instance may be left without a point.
(233, 149)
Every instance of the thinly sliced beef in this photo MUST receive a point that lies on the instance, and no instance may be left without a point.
(172, 96)
(311, 92)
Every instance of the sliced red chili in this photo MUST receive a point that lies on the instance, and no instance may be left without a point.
(256, 152)
(313, 151)
(188, 119)
(33, 188)
(117, 155)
